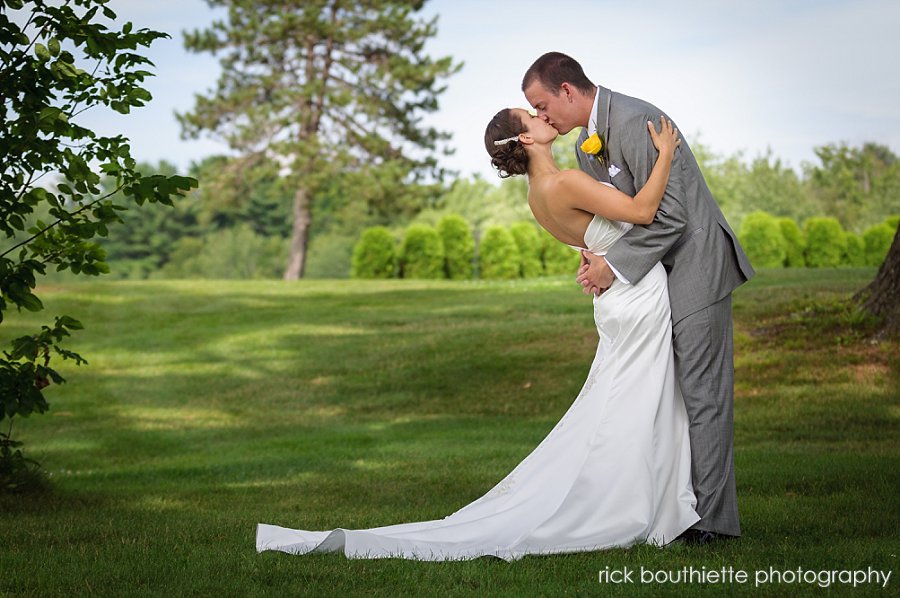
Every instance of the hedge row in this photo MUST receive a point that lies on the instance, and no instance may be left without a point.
(525, 251)
(449, 251)
(772, 242)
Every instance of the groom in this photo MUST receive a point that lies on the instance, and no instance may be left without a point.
(691, 238)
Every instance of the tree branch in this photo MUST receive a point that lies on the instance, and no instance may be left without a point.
(49, 226)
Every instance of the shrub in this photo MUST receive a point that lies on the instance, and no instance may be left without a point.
(459, 246)
(762, 240)
(528, 244)
(794, 243)
(422, 254)
(375, 254)
(826, 242)
(229, 253)
(498, 254)
(558, 257)
(855, 254)
(877, 241)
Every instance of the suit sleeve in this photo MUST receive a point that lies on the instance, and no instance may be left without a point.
(643, 246)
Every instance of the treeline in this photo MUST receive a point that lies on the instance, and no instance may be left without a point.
(238, 223)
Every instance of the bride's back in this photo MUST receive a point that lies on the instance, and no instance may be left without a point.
(565, 223)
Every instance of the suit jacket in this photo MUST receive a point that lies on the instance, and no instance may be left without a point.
(689, 234)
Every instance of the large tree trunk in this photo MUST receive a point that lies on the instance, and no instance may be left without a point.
(882, 297)
(299, 237)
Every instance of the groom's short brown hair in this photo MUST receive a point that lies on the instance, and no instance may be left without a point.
(555, 68)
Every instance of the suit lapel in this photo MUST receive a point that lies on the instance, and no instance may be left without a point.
(602, 115)
(597, 169)
(601, 172)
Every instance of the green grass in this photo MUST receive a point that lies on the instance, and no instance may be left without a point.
(210, 406)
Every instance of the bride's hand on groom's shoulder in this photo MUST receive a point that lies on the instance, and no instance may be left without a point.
(666, 140)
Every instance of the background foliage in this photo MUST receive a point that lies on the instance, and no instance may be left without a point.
(53, 200)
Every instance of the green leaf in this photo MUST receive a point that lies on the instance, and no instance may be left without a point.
(41, 51)
(69, 322)
(54, 46)
(31, 302)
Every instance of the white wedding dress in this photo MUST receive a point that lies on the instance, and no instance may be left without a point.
(615, 470)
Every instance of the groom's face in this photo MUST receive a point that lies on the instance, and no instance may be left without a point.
(554, 107)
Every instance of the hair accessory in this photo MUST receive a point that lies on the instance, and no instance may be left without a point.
(507, 140)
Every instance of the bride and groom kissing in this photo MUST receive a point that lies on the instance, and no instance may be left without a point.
(645, 452)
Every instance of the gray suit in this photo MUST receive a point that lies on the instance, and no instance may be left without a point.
(705, 263)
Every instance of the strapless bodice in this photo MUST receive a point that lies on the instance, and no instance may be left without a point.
(602, 233)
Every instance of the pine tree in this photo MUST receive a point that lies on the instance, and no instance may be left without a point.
(326, 88)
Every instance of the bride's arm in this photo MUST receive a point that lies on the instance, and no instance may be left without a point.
(582, 192)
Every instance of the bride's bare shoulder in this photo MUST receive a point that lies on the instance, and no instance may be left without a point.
(572, 175)
(573, 180)
(565, 178)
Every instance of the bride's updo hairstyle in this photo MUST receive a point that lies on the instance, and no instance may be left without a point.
(508, 158)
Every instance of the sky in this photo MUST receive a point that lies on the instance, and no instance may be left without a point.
(770, 75)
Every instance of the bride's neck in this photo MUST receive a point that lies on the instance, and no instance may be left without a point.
(541, 162)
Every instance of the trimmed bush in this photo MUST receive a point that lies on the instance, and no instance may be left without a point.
(794, 243)
(459, 246)
(558, 257)
(529, 249)
(422, 255)
(762, 240)
(877, 241)
(498, 254)
(855, 255)
(826, 242)
(375, 254)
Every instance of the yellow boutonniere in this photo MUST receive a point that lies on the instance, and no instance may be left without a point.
(592, 145)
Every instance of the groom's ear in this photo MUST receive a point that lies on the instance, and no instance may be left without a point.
(566, 90)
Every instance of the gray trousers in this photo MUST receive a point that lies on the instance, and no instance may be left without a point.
(704, 367)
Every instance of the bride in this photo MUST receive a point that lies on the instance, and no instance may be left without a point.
(615, 470)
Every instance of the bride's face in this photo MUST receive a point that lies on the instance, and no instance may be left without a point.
(537, 128)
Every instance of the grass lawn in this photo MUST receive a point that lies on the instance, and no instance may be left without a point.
(208, 407)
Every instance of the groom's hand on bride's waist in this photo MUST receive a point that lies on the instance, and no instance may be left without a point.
(594, 275)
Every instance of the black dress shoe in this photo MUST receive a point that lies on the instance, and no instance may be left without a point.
(699, 537)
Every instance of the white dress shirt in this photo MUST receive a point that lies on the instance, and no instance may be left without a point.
(591, 129)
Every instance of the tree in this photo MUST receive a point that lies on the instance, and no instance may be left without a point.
(857, 185)
(325, 87)
(43, 92)
(774, 188)
(882, 297)
(144, 241)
